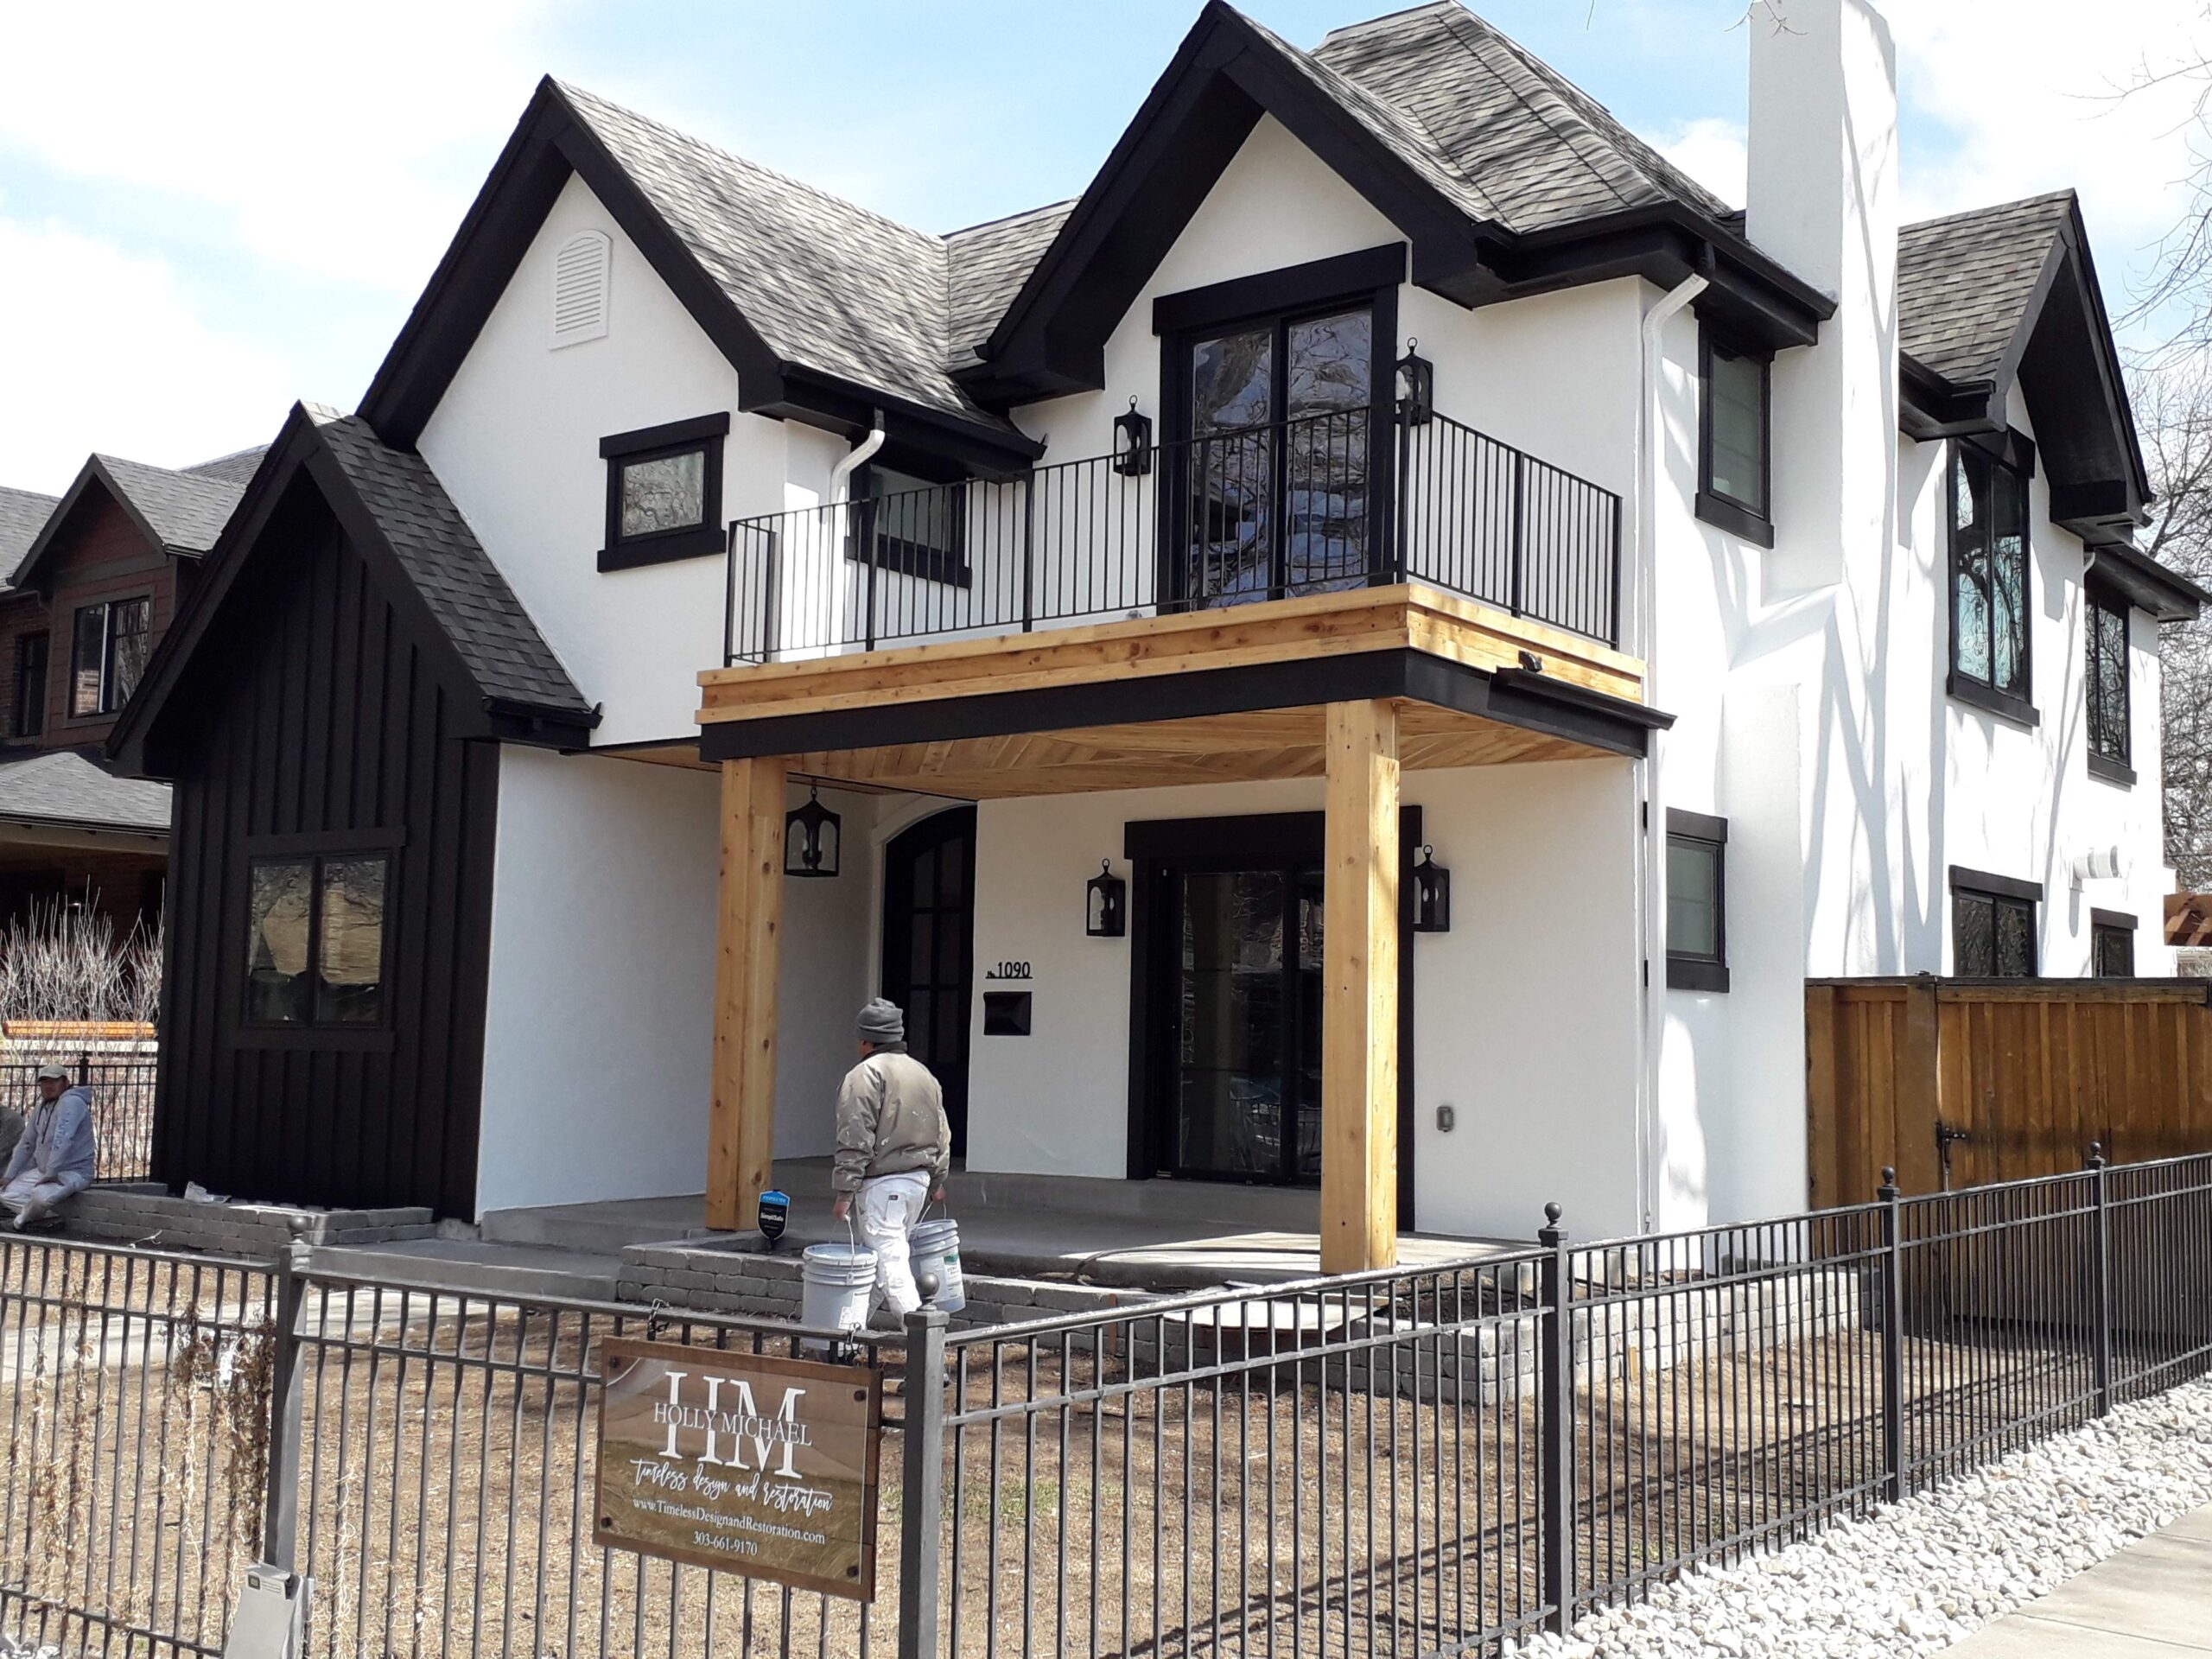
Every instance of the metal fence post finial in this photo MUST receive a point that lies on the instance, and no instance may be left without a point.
(921, 1499)
(2101, 1275)
(1555, 1420)
(1893, 1472)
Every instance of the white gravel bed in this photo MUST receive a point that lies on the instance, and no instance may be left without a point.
(1916, 1577)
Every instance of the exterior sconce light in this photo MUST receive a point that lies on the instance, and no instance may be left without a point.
(1105, 904)
(811, 838)
(1416, 387)
(1432, 894)
(1131, 442)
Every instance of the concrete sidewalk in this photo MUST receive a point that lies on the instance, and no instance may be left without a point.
(2152, 1599)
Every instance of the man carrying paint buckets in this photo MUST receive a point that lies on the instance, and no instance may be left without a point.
(894, 1150)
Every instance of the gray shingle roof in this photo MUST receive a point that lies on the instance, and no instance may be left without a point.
(62, 786)
(23, 513)
(498, 643)
(825, 283)
(1534, 148)
(236, 468)
(187, 510)
(990, 262)
(1964, 281)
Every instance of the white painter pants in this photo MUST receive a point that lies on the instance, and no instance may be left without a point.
(29, 1193)
(887, 1208)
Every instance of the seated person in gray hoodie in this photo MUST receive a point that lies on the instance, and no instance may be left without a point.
(54, 1159)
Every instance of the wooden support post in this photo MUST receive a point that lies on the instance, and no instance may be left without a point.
(741, 1130)
(1359, 1006)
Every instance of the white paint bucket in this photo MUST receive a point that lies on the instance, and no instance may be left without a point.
(835, 1283)
(936, 1246)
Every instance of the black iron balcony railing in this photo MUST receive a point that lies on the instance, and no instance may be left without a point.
(1348, 498)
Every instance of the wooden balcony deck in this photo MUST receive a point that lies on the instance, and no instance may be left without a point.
(1209, 696)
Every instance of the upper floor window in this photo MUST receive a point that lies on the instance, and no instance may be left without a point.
(108, 652)
(30, 684)
(1989, 582)
(1697, 901)
(315, 939)
(663, 492)
(1735, 417)
(1993, 924)
(2106, 688)
(918, 528)
(2112, 944)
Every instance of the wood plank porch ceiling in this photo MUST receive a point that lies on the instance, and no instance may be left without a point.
(1270, 743)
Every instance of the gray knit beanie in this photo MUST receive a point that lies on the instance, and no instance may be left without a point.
(882, 1022)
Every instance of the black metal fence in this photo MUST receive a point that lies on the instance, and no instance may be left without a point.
(1425, 1461)
(123, 1105)
(1325, 502)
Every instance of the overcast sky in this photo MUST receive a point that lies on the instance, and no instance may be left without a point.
(207, 210)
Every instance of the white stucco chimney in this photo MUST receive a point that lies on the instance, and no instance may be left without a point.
(1821, 197)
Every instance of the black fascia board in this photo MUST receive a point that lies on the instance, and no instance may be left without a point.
(1533, 702)
(814, 398)
(2145, 583)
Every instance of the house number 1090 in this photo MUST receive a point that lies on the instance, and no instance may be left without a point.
(1008, 970)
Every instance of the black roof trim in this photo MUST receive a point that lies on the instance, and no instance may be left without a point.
(548, 144)
(1227, 71)
(2145, 583)
(310, 442)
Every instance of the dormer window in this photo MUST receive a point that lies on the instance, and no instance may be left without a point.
(663, 492)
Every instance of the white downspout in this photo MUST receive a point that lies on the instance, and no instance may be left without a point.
(1651, 868)
(840, 475)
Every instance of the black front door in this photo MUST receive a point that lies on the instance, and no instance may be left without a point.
(928, 932)
(1244, 1024)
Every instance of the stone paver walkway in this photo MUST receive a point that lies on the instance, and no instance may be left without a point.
(2152, 1599)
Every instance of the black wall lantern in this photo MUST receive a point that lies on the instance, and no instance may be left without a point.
(1416, 387)
(1131, 442)
(811, 838)
(1432, 894)
(1105, 903)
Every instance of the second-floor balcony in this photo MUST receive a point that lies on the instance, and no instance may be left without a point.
(1346, 498)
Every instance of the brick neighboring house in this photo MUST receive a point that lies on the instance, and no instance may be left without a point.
(94, 578)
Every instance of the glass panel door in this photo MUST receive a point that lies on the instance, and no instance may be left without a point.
(1276, 482)
(1247, 1042)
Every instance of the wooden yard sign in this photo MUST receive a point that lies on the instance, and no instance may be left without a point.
(749, 1463)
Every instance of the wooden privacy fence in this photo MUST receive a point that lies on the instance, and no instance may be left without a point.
(1958, 1083)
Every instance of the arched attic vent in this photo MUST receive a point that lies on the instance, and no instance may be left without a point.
(580, 282)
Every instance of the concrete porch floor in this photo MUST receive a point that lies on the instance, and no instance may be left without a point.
(1146, 1235)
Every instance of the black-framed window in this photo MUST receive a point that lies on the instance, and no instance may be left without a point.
(316, 939)
(917, 526)
(110, 642)
(2112, 944)
(1275, 394)
(1735, 422)
(1990, 652)
(663, 492)
(1697, 901)
(2105, 686)
(30, 684)
(1992, 925)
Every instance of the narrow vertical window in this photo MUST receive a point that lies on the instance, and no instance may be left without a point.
(1990, 589)
(1697, 909)
(1735, 465)
(2105, 686)
(30, 684)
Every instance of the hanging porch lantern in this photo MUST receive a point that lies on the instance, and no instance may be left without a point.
(811, 838)
(1416, 387)
(1105, 903)
(1131, 442)
(1432, 894)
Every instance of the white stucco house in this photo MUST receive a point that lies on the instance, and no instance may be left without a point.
(1387, 465)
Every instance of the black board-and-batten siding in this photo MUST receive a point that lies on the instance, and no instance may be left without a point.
(328, 721)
